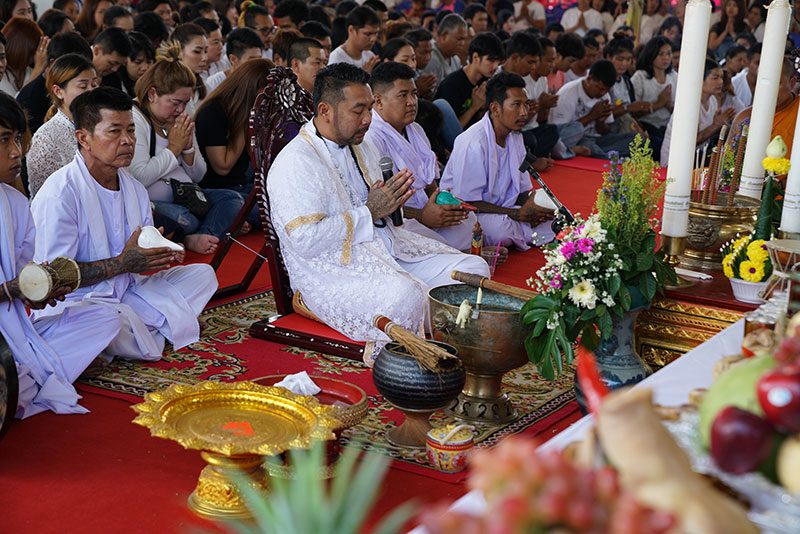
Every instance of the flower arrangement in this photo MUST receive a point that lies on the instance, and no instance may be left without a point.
(776, 163)
(599, 267)
(530, 491)
(746, 258)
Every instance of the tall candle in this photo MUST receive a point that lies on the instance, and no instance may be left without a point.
(765, 97)
(685, 118)
(790, 217)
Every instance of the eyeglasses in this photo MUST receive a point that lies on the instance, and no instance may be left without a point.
(266, 32)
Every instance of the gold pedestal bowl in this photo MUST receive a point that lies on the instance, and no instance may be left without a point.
(235, 425)
(489, 345)
(711, 226)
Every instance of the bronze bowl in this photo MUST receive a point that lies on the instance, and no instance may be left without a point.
(414, 391)
(490, 345)
(711, 226)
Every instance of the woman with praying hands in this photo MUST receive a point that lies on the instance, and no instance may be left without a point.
(53, 145)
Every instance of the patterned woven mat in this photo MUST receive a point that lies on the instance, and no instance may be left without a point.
(227, 353)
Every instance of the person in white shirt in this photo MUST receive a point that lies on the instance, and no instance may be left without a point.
(581, 18)
(756, 19)
(604, 10)
(651, 20)
(712, 117)
(580, 67)
(655, 82)
(744, 83)
(586, 100)
(529, 14)
(242, 45)
(363, 26)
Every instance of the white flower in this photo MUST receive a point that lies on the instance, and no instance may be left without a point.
(591, 229)
(583, 294)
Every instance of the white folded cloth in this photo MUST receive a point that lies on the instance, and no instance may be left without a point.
(541, 199)
(299, 383)
(686, 273)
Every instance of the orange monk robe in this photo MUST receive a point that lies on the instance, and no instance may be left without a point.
(783, 124)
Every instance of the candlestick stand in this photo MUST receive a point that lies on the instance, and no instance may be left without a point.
(673, 247)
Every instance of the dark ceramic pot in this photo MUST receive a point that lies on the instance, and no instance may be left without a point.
(406, 385)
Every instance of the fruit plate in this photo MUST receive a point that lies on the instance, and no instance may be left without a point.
(236, 418)
(772, 508)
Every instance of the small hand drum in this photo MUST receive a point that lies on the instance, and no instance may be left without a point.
(37, 282)
(784, 254)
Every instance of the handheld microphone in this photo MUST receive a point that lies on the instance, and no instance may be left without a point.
(565, 215)
(387, 165)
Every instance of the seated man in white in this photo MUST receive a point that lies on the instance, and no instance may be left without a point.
(51, 354)
(484, 169)
(331, 211)
(394, 133)
(91, 210)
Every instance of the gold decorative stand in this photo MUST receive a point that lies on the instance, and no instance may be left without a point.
(673, 247)
(216, 495)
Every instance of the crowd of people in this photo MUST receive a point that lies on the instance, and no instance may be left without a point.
(137, 114)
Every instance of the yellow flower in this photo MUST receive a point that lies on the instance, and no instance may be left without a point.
(739, 243)
(776, 166)
(727, 266)
(751, 271)
(757, 251)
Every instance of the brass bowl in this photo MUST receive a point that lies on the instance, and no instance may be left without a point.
(711, 226)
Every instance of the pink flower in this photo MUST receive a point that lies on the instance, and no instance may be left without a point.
(569, 249)
(585, 245)
(556, 283)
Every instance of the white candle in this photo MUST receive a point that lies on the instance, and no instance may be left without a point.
(765, 97)
(685, 118)
(790, 217)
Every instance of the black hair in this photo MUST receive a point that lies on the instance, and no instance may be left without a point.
(502, 18)
(317, 13)
(296, 10)
(590, 42)
(392, 47)
(61, 4)
(553, 27)
(546, 43)
(344, 7)
(68, 43)
(315, 30)
(86, 108)
(11, 114)
(151, 5)
(523, 44)
(498, 85)
(440, 17)
(473, 9)
(754, 50)
(251, 12)
(51, 22)
(140, 44)
(197, 9)
(360, 17)
(385, 74)
(376, 5)
(207, 24)
(418, 35)
(570, 45)
(396, 15)
(114, 40)
(451, 22)
(113, 13)
(486, 44)
(617, 45)
(151, 25)
(331, 81)
(604, 72)
(240, 40)
(594, 33)
(649, 54)
(749, 37)
(300, 49)
(338, 31)
(670, 22)
(397, 29)
(734, 51)
(709, 65)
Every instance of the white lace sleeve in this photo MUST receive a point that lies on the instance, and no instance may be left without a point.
(53, 146)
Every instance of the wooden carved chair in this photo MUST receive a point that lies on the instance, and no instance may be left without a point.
(280, 111)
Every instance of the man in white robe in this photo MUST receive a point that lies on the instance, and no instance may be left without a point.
(394, 133)
(52, 354)
(91, 210)
(331, 213)
(484, 169)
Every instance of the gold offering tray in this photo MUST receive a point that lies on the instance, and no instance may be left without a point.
(234, 425)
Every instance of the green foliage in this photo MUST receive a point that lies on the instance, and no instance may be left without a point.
(308, 504)
(763, 229)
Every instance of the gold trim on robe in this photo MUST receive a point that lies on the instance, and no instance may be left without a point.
(302, 220)
(347, 247)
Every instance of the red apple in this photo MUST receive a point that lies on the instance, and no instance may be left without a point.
(779, 396)
(740, 440)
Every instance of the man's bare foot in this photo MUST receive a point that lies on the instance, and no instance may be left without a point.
(201, 243)
(543, 164)
(582, 150)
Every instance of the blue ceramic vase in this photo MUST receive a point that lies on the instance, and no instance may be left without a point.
(617, 361)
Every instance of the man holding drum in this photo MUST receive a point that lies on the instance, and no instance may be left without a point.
(92, 210)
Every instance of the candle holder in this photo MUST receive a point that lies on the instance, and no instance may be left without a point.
(673, 247)
(783, 234)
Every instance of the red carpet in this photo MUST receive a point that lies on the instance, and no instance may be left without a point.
(100, 473)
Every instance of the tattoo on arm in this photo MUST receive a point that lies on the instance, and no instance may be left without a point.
(130, 261)
(488, 207)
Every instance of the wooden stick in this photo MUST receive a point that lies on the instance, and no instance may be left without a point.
(476, 280)
(737, 165)
(432, 357)
(712, 169)
(722, 145)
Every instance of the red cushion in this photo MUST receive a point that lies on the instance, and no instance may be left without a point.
(299, 323)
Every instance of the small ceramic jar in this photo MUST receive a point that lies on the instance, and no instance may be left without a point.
(448, 447)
